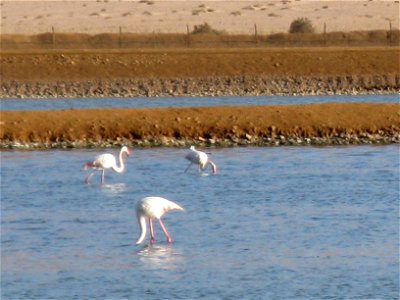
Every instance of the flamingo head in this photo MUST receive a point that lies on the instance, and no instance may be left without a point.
(126, 150)
(88, 165)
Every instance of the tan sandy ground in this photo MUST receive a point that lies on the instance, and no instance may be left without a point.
(147, 16)
(125, 125)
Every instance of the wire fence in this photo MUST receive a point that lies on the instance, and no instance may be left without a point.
(127, 40)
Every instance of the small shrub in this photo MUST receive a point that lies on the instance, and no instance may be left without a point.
(204, 29)
(236, 13)
(301, 25)
(196, 12)
(273, 15)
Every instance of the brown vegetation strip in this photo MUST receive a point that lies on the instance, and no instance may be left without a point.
(322, 120)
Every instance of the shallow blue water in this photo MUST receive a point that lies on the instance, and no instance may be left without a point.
(275, 223)
(51, 104)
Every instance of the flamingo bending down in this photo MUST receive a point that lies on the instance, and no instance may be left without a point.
(201, 159)
(150, 208)
(106, 161)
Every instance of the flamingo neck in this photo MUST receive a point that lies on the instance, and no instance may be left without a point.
(121, 167)
(143, 228)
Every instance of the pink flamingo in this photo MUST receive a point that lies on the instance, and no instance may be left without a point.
(150, 208)
(106, 161)
(201, 159)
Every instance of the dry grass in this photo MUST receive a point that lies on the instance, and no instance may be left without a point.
(133, 40)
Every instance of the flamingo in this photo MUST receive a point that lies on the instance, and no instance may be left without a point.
(106, 161)
(150, 208)
(201, 159)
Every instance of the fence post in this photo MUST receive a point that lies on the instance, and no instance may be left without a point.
(120, 37)
(53, 37)
(390, 33)
(255, 33)
(188, 36)
(325, 34)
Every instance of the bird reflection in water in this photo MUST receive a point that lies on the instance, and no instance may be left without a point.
(116, 188)
(160, 256)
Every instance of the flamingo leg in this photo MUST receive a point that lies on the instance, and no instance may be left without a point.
(188, 167)
(102, 176)
(87, 179)
(169, 239)
(152, 239)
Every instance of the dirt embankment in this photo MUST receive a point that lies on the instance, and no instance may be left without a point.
(213, 126)
(202, 72)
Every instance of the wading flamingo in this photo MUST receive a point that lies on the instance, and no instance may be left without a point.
(199, 158)
(106, 161)
(150, 208)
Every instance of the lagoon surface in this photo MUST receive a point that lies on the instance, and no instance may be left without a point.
(152, 102)
(275, 223)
